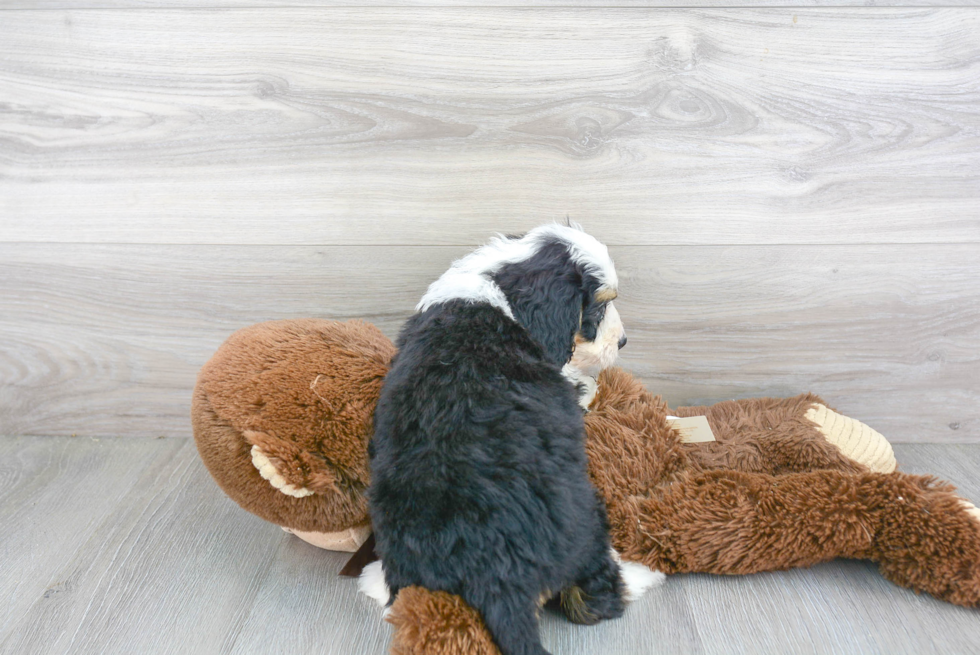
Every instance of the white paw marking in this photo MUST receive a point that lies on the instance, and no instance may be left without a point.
(637, 578)
(372, 584)
(269, 472)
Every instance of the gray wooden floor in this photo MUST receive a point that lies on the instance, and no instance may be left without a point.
(127, 545)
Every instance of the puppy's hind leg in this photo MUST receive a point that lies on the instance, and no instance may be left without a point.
(512, 622)
(598, 594)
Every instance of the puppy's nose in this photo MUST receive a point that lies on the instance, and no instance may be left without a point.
(622, 341)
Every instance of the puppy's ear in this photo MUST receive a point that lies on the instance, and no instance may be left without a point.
(545, 295)
(550, 310)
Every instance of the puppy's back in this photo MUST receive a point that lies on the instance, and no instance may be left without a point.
(478, 460)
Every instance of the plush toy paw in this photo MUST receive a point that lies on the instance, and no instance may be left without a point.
(854, 439)
(345, 541)
(959, 566)
(971, 509)
(928, 538)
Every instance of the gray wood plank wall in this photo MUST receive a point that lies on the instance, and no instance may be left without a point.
(604, 4)
(792, 194)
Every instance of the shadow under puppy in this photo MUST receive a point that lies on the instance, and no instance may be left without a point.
(479, 472)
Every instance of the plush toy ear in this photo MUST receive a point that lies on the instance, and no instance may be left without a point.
(545, 295)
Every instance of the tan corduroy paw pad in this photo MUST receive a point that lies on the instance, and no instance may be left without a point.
(854, 439)
(971, 509)
(268, 471)
(346, 541)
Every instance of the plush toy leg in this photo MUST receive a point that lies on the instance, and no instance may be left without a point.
(786, 435)
(436, 623)
(731, 522)
(922, 534)
(930, 541)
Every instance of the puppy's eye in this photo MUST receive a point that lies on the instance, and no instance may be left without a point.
(592, 317)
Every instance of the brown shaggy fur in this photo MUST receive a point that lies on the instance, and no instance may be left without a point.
(436, 622)
(304, 391)
(773, 506)
(771, 493)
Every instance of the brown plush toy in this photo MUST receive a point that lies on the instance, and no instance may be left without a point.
(282, 417)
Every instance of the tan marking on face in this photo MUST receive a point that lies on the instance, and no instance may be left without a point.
(605, 295)
(591, 357)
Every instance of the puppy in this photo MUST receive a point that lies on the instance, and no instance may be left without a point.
(479, 482)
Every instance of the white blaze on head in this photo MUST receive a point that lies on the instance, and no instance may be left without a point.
(469, 278)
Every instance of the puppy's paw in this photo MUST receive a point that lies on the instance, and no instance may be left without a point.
(372, 583)
(579, 607)
(574, 606)
(638, 579)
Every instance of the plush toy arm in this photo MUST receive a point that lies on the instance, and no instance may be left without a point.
(921, 534)
(760, 435)
(786, 435)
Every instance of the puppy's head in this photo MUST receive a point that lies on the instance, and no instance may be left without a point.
(556, 281)
(598, 342)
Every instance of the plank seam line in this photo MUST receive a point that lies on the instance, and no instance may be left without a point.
(473, 243)
(220, 7)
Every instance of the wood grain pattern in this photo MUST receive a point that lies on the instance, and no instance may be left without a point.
(304, 607)
(54, 496)
(107, 340)
(168, 564)
(434, 126)
(175, 552)
(594, 4)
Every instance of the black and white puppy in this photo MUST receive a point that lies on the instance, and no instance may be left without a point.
(479, 481)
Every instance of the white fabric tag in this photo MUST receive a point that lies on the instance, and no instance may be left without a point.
(693, 429)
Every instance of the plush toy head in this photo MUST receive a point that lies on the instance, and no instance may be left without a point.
(282, 416)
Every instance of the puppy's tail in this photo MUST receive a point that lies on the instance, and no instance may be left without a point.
(512, 622)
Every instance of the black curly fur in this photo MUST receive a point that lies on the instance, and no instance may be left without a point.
(478, 459)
